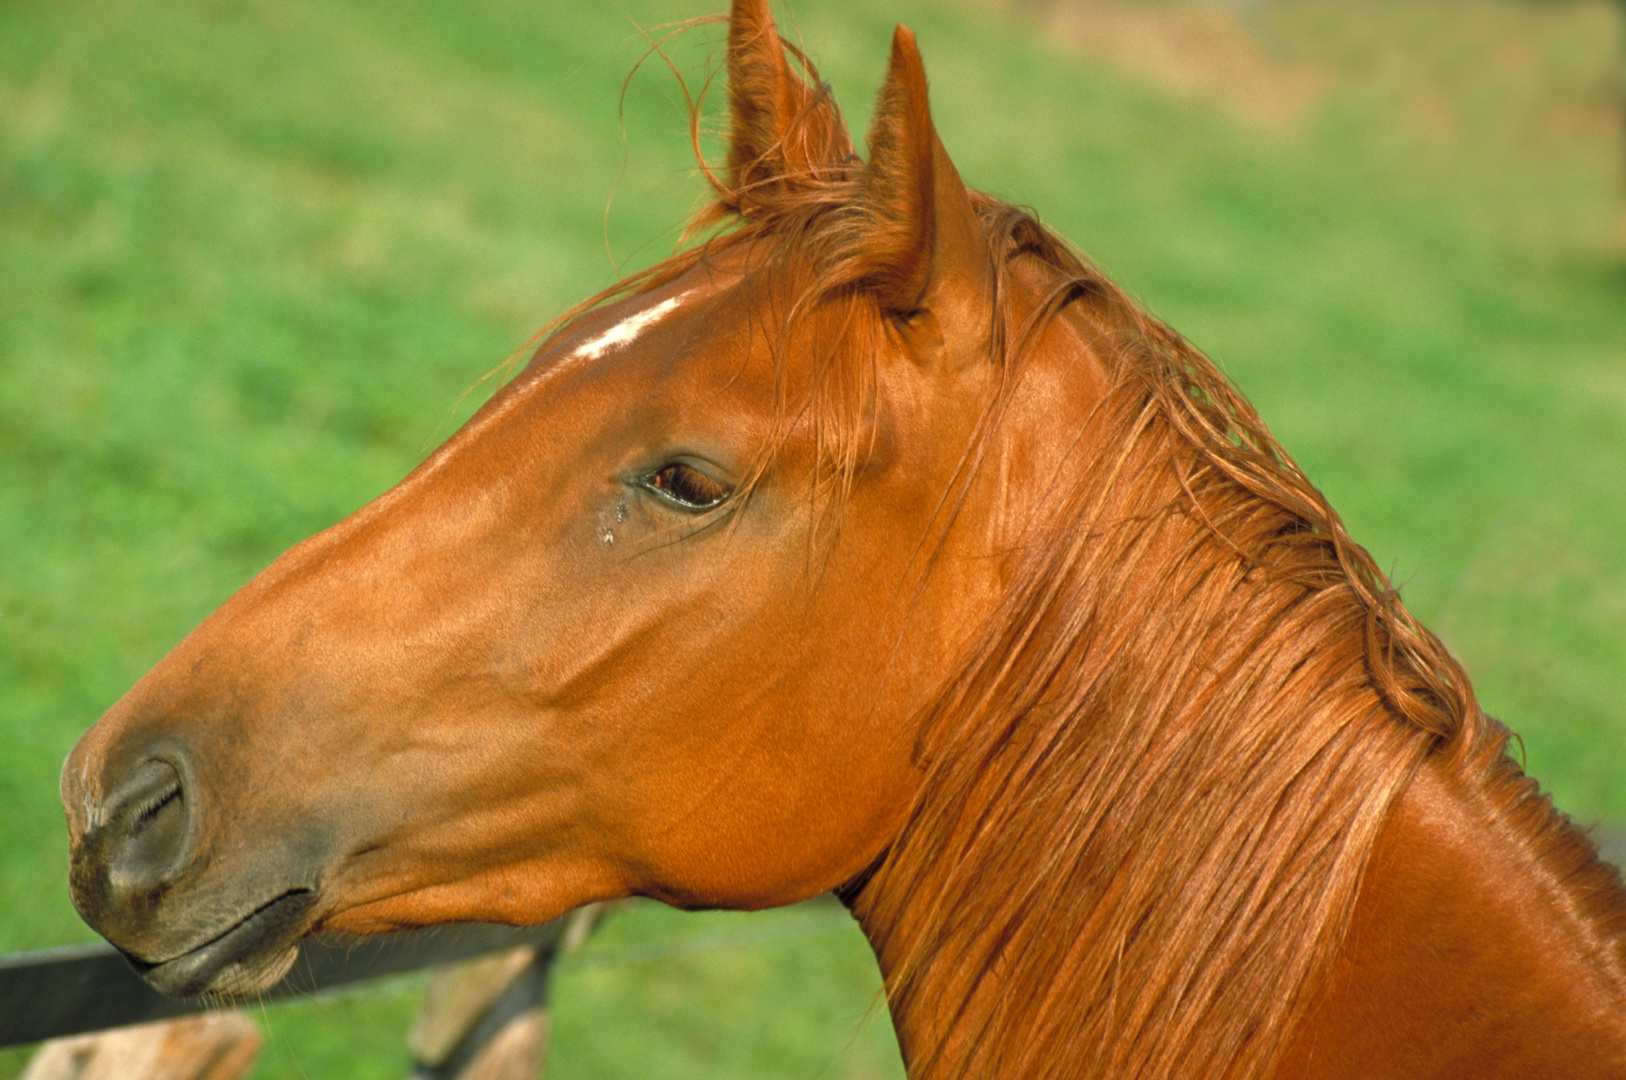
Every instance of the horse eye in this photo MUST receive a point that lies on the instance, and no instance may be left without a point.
(687, 486)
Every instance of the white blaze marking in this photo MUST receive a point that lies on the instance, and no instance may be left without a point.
(626, 331)
(622, 333)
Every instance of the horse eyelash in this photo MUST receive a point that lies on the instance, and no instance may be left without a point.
(676, 496)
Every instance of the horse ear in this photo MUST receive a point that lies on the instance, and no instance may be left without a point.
(925, 250)
(781, 130)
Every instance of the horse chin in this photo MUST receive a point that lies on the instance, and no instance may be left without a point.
(239, 978)
(249, 957)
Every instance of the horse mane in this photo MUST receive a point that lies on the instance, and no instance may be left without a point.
(1166, 758)
(1164, 763)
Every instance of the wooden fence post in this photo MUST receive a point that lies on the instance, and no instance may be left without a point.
(487, 1019)
(212, 1046)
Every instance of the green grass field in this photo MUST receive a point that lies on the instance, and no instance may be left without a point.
(254, 255)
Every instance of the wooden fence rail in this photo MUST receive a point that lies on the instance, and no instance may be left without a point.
(484, 1017)
(80, 988)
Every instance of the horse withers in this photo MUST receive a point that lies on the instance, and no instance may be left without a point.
(875, 544)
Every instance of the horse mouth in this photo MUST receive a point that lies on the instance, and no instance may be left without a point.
(246, 958)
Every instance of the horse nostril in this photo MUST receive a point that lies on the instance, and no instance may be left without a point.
(146, 826)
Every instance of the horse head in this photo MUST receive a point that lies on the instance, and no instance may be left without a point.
(655, 621)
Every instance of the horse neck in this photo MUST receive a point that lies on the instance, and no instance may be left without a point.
(1141, 839)
(1488, 941)
(1145, 810)
(1150, 803)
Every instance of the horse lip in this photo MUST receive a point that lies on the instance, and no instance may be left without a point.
(246, 957)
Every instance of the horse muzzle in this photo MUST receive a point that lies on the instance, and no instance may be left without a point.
(143, 875)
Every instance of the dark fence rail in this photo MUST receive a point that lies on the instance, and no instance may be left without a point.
(83, 988)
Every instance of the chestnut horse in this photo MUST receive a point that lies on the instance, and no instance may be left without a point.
(875, 544)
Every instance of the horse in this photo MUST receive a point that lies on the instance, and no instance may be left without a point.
(875, 543)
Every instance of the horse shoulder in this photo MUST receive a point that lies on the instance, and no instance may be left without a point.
(1472, 952)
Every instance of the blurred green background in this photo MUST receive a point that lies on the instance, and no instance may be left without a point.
(255, 257)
